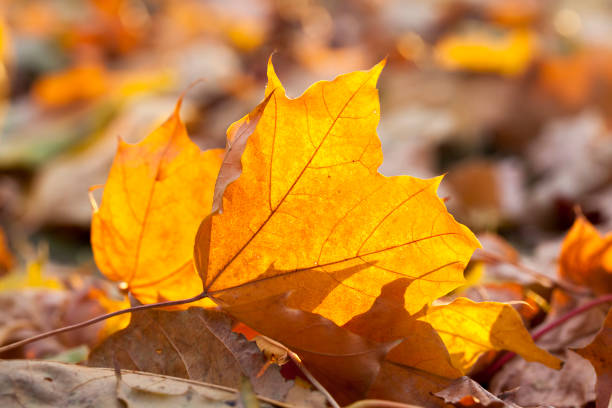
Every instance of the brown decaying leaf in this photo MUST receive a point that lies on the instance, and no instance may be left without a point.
(529, 384)
(39, 383)
(465, 392)
(599, 353)
(30, 311)
(400, 383)
(197, 344)
(586, 257)
(157, 193)
(344, 363)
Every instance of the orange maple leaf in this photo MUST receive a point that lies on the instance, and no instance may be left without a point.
(310, 212)
(157, 193)
(586, 257)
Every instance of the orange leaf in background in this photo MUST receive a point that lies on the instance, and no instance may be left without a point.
(77, 84)
(310, 212)
(157, 193)
(6, 257)
(599, 353)
(586, 257)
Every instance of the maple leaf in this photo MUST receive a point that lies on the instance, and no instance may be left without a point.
(586, 257)
(599, 354)
(310, 212)
(469, 329)
(446, 340)
(156, 194)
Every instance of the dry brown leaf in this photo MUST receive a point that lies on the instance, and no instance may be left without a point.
(465, 392)
(343, 362)
(196, 344)
(39, 383)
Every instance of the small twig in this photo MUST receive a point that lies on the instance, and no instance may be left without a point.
(379, 403)
(508, 355)
(99, 319)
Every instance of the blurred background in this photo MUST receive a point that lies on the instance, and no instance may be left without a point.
(512, 99)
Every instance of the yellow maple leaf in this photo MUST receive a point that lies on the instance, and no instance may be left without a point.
(310, 212)
(157, 193)
(506, 53)
(469, 329)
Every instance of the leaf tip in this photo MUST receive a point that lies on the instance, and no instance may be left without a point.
(273, 81)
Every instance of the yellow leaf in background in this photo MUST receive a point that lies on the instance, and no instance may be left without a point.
(469, 329)
(310, 212)
(33, 277)
(157, 193)
(508, 52)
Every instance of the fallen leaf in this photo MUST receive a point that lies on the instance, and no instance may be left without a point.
(157, 193)
(536, 385)
(421, 348)
(40, 383)
(486, 193)
(310, 207)
(6, 257)
(465, 392)
(586, 257)
(80, 83)
(576, 332)
(197, 344)
(488, 49)
(599, 354)
(301, 394)
(400, 383)
(470, 329)
(344, 363)
(439, 343)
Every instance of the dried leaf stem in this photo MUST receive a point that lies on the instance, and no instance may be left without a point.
(375, 403)
(507, 356)
(99, 319)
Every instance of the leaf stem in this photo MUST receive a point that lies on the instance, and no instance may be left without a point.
(99, 319)
(508, 355)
